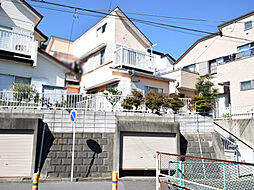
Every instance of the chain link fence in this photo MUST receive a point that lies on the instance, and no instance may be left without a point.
(187, 172)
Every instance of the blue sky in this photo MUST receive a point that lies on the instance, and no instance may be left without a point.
(175, 43)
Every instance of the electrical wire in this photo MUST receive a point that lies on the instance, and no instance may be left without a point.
(135, 19)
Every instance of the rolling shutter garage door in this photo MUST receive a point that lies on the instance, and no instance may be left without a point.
(139, 150)
(15, 154)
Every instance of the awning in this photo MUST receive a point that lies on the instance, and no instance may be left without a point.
(103, 83)
(94, 50)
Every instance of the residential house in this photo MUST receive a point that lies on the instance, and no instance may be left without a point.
(115, 53)
(60, 48)
(228, 56)
(21, 55)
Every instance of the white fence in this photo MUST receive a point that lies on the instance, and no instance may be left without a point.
(92, 102)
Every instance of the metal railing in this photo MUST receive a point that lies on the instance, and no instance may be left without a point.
(135, 59)
(63, 100)
(187, 172)
(15, 41)
(235, 112)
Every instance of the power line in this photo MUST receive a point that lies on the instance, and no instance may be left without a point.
(138, 20)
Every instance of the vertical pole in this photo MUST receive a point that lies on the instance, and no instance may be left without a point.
(169, 173)
(41, 148)
(157, 171)
(73, 147)
(35, 181)
(224, 177)
(114, 181)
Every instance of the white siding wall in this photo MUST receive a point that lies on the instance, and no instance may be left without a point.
(46, 72)
(14, 14)
(89, 40)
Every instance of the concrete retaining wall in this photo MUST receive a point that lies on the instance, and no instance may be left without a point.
(58, 163)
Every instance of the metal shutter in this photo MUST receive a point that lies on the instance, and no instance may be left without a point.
(15, 154)
(139, 150)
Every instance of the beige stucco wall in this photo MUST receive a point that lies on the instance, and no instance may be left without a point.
(217, 46)
(236, 72)
(125, 36)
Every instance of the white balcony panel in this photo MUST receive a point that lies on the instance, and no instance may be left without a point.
(134, 59)
(17, 42)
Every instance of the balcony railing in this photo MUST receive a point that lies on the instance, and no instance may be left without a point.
(16, 41)
(134, 59)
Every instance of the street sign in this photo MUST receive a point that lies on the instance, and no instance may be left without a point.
(73, 116)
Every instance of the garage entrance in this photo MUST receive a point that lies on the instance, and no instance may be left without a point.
(16, 149)
(138, 151)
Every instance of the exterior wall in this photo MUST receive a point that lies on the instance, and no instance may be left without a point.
(150, 82)
(236, 72)
(89, 41)
(46, 72)
(125, 36)
(87, 163)
(14, 14)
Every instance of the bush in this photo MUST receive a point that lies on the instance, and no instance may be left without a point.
(24, 92)
(133, 101)
(154, 101)
(173, 102)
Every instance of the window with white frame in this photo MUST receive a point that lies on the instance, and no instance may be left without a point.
(247, 85)
(248, 25)
(101, 30)
(155, 89)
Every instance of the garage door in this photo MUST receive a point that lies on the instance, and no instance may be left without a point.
(15, 154)
(139, 150)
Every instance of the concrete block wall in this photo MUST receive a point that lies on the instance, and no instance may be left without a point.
(58, 162)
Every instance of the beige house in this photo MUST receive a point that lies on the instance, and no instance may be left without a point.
(115, 53)
(228, 56)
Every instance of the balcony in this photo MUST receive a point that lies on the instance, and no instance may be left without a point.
(126, 57)
(18, 42)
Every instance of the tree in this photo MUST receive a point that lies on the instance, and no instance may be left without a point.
(154, 100)
(133, 101)
(172, 101)
(112, 95)
(24, 92)
(205, 94)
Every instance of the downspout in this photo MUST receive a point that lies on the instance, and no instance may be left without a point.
(131, 72)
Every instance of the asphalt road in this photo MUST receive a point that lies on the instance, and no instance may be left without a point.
(122, 185)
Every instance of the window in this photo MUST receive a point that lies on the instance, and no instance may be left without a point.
(22, 79)
(6, 81)
(102, 58)
(213, 66)
(244, 47)
(248, 25)
(247, 85)
(148, 88)
(191, 68)
(101, 30)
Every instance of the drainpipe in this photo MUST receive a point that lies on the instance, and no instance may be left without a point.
(131, 72)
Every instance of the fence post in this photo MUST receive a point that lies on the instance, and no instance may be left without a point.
(224, 177)
(35, 181)
(157, 171)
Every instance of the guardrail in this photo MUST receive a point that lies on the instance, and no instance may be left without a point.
(187, 172)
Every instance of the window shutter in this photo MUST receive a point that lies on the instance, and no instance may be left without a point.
(203, 68)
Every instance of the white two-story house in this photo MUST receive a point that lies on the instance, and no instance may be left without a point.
(228, 56)
(21, 55)
(115, 53)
